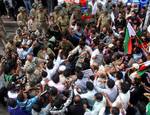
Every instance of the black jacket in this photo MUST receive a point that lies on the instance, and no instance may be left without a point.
(76, 110)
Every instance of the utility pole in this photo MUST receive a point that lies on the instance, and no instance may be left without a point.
(147, 18)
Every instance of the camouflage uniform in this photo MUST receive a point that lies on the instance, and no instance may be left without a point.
(22, 16)
(56, 13)
(33, 10)
(104, 21)
(41, 19)
(48, 52)
(63, 22)
(18, 37)
(100, 11)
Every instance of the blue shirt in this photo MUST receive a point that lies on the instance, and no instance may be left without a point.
(78, 35)
(16, 111)
(81, 83)
(23, 53)
(28, 103)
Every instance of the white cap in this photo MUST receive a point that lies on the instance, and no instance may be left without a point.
(148, 28)
(128, 4)
(110, 45)
(135, 65)
(62, 68)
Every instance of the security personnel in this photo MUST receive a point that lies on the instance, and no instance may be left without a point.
(41, 19)
(103, 21)
(63, 22)
(33, 10)
(22, 16)
(56, 13)
(100, 10)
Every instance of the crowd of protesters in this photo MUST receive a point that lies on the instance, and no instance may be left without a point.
(72, 61)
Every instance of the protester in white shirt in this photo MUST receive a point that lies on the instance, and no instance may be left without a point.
(57, 84)
(12, 93)
(61, 71)
(111, 90)
(100, 81)
(97, 56)
(45, 80)
(44, 111)
(122, 99)
(52, 68)
(98, 107)
(81, 48)
(89, 95)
